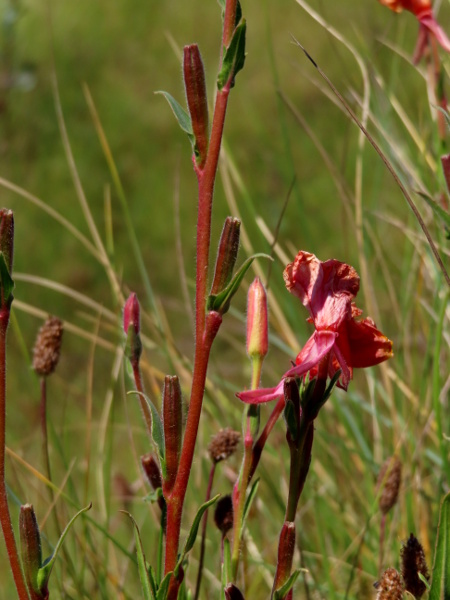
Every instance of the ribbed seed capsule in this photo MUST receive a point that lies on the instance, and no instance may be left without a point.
(30, 550)
(173, 427)
(194, 82)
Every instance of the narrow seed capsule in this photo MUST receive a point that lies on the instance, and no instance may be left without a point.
(132, 328)
(7, 236)
(226, 255)
(194, 82)
(173, 427)
(31, 552)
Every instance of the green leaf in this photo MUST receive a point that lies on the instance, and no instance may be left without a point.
(46, 569)
(440, 584)
(157, 430)
(148, 589)
(249, 502)
(152, 578)
(221, 302)
(227, 570)
(194, 530)
(234, 57)
(440, 212)
(183, 118)
(154, 495)
(164, 587)
(283, 591)
(6, 282)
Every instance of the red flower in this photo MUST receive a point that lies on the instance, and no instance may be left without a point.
(428, 24)
(340, 341)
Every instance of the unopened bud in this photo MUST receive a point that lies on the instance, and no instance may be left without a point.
(233, 593)
(226, 255)
(31, 552)
(194, 82)
(132, 328)
(390, 586)
(257, 321)
(413, 563)
(173, 426)
(47, 349)
(223, 514)
(223, 444)
(390, 478)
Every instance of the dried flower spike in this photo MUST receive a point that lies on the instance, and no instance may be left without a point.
(390, 478)
(223, 514)
(223, 444)
(47, 348)
(390, 586)
(413, 563)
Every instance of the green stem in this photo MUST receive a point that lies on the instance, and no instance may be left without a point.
(5, 517)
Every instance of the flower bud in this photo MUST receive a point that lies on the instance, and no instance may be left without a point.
(232, 592)
(194, 82)
(132, 328)
(173, 427)
(390, 477)
(223, 514)
(413, 563)
(47, 349)
(31, 552)
(390, 586)
(223, 444)
(257, 321)
(226, 255)
(7, 236)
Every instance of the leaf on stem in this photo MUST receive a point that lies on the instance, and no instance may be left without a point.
(221, 302)
(249, 502)
(148, 583)
(234, 57)
(164, 587)
(184, 120)
(157, 431)
(284, 590)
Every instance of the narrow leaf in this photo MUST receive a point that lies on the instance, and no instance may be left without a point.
(157, 429)
(227, 571)
(164, 587)
(221, 302)
(234, 57)
(441, 213)
(183, 118)
(46, 569)
(190, 540)
(249, 502)
(284, 590)
(147, 589)
(440, 584)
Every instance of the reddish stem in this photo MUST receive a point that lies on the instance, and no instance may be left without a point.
(5, 517)
(259, 446)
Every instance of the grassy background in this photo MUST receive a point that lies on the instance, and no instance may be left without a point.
(124, 54)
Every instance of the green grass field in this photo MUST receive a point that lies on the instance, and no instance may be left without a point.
(69, 69)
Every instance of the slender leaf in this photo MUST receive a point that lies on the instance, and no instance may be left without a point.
(284, 590)
(157, 429)
(440, 584)
(147, 588)
(249, 502)
(234, 58)
(183, 118)
(164, 587)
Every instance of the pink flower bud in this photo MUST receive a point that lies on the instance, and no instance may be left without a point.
(132, 314)
(257, 321)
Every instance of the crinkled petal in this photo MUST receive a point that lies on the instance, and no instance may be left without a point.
(318, 346)
(325, 288)
(367, 345)
(262, 395)
(432, 25)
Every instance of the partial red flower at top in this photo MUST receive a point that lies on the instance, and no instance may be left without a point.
(340, 341)
(428, 25)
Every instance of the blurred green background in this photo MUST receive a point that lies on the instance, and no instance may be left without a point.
(126, 51)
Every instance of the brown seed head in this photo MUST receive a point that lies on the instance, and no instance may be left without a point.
(47, 348)
(390, 586)
(413, 563)
(223, 444)
(390, 478)
(223, 514)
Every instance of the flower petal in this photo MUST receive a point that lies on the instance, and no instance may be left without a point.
(325, 288)
(318, 346)
(262, 395)
(432, 25)
(368, 346)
